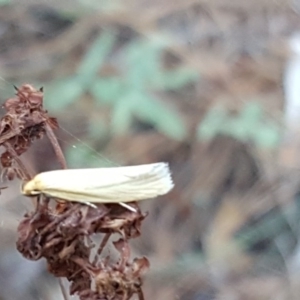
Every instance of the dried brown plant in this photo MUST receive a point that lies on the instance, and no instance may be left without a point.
(65, 234)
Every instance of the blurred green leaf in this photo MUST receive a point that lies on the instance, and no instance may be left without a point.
(121, 118)
(250, 125)
(174, 79)
(5, 2)
(267, 136)
(250, 118)
(108, 90)
(143, 63)
(95, 57)
(147, 109)
(63, 92)
(144, 56)
(160, 116)
(235, 128)
(267, 228)
(145, 69)
(104, 5)
(212, 123)
(252, 113)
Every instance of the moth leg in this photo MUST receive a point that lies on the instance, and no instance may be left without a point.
(128, 207)
(120, 203)
(90, 204)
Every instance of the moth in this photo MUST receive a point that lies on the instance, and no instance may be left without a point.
(103, 185)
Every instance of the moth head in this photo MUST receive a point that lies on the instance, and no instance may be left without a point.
(30, 188)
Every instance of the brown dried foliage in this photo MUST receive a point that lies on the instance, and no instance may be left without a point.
(63, 235)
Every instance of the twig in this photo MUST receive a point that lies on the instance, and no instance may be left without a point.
(103, 243)
(56, 146)
(13, 153)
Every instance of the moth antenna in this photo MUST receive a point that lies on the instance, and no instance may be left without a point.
(15, 88)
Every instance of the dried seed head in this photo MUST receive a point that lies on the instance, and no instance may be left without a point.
(24, 122)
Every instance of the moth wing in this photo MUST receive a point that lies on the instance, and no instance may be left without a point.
(108, 185)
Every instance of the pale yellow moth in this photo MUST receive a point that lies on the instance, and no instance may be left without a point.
(103, 185)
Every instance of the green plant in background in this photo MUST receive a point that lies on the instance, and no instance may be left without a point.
(131, 94)
(250, 125)
(104, 5)
(5, 2)
(273, 235)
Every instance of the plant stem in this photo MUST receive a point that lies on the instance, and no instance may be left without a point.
(56, 146)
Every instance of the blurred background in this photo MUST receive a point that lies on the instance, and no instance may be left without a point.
(213, 88)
